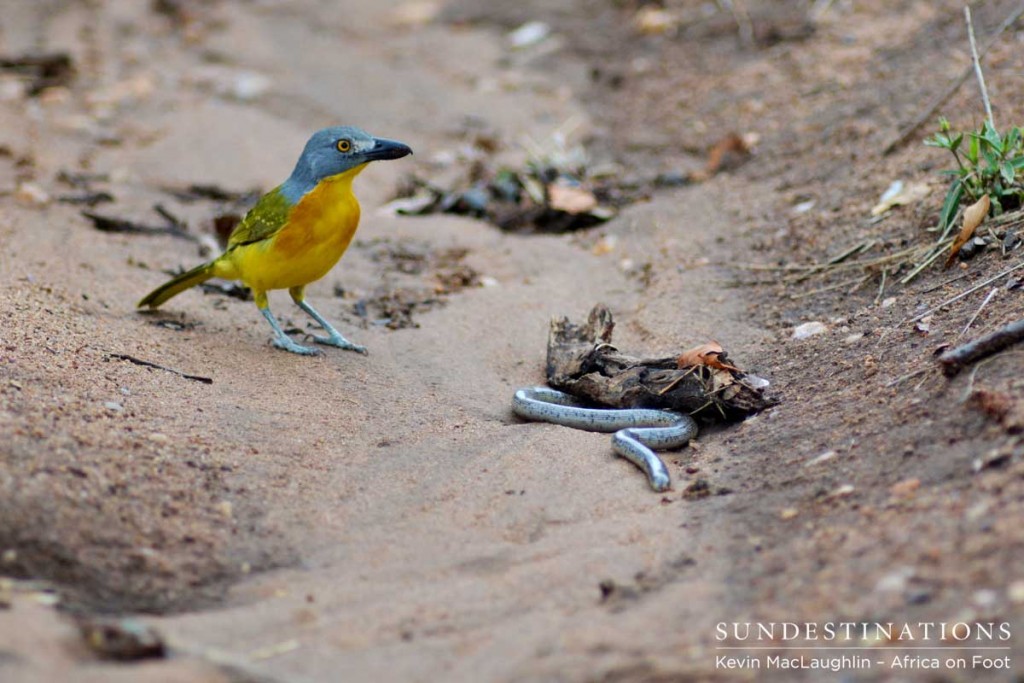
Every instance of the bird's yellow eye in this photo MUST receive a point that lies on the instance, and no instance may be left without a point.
(344, 145)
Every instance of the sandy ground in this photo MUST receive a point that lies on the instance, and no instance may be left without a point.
(385, 517)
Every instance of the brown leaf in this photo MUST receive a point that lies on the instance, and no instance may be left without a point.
(729, 152)
(973, 216)
(710, 354)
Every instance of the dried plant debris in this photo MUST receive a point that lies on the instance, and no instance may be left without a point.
(172, 226)
(533, 199)
(416, 278)
(123, 639)
(232, 205)
(205, 192)
(1005, 407)
(232, 290)
(973, 217)
(41, 70)
(582, 361)
(558, 189)
(955, 360)
(85, 193)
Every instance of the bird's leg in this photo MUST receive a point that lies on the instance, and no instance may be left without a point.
(281, 340)
(333, 337)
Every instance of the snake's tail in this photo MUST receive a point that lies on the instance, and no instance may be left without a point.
(177, 285)
(627, 443)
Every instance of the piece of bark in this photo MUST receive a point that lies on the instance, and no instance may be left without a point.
(955, 360)
(582, 361)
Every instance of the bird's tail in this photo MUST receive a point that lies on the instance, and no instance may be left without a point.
(177, 285)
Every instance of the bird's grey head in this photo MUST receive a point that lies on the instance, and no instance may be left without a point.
(334, 150)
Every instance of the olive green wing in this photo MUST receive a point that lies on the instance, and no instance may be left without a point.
(263, 220)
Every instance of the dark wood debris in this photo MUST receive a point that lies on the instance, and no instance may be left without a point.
(582, 361)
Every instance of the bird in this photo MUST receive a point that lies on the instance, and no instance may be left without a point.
(296, 232)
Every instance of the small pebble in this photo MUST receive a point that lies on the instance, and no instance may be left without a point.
(895, 581)
(157, 437)
(809, 330)
(886, 303)
(905, 488)
(111, 405)
(853, 338)
(844, 490)
(248, 86)
(31, 194)
(528, 34)
(1015, 592)
(788, 513)
(986, 597)
(824, 457)
(918, 596)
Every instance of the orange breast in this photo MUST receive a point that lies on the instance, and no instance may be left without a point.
(318, 231)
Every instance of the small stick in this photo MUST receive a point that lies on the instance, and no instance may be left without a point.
(148, 364)
(950, 281)
(904, 378)
(982, 347)
(173, 221)
(977, 67)
(881, 286)
(961, 295)
(111, 224)
(852, 251)
(743, 23)
(838, 285)
(937, 251)
(978, 312)
(913, 127)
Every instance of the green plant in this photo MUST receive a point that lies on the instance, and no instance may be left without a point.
(990, 164)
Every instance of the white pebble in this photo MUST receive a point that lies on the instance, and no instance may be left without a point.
(809, 330)
(986, 597)
(529, 34)
(30, 193)
(824, 457)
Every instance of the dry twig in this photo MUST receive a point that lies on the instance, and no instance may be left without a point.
(978, 312)
(961, 295)
(955, 360)
(150, 364)
(977, 67)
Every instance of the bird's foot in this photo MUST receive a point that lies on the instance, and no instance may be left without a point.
(288, 345)
(340, 342)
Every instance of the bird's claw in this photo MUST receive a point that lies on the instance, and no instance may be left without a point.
(289, 345)
(340, 342)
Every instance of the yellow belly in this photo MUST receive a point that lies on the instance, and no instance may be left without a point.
(317, 233)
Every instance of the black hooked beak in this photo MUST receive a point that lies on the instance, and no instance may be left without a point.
(387, 149)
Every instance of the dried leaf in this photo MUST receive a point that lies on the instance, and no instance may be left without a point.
(654, 20)
(900, 197)
(710, 354)
(572, 200)
(973, 217)
(729, 152)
